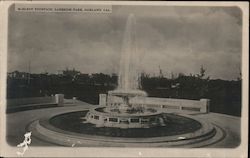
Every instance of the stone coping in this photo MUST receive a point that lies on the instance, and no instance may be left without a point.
(66, 139)
(52, 132)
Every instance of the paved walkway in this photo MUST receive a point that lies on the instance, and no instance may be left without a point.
(230, 125)
(17, 123)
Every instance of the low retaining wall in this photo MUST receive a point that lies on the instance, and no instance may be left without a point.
(30, 103)
(199, 106)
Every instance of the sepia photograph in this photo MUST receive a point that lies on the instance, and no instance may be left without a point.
(124, 75)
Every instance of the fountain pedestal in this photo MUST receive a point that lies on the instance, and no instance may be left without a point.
(122, 118)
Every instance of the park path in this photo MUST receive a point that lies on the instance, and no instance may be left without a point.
(17, 123)
(230, 125)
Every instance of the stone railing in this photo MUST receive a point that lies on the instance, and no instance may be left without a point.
(179, 105)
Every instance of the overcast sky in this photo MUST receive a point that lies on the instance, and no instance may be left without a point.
(178, 39)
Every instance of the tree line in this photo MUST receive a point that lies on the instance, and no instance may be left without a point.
(225, 95)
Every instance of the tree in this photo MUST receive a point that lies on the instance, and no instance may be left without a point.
(202, 72)
(202, 82)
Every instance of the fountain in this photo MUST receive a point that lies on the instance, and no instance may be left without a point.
(129, 80)
(119, 112)
(127, 117)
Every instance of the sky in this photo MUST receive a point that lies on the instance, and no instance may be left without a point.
(176, 39)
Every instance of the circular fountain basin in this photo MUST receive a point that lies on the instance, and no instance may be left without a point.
(73, 122)
(68, 129)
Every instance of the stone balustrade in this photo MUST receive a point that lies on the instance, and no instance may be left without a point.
(178, 105)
